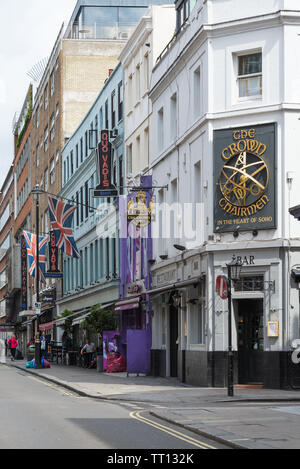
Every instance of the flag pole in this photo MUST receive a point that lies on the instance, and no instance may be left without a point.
(37, 354)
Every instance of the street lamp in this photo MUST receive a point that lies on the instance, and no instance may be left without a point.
(234, 270)
(36, 195)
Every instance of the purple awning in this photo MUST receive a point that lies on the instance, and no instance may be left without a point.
(129, 303)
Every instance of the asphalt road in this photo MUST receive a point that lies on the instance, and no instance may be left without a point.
(36, 414)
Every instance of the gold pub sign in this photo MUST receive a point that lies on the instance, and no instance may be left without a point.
(243, 170)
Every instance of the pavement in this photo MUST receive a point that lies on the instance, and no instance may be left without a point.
(252, 419)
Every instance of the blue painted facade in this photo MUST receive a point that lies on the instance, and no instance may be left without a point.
(95, 226)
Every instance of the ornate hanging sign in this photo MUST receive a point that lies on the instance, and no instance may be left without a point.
(244, 175)
(139, 210)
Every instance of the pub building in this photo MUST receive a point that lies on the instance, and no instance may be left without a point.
(190, 320)
(234, 152)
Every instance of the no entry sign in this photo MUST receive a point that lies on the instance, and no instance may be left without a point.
(222, 287)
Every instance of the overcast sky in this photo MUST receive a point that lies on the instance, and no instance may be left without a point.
(28, 32)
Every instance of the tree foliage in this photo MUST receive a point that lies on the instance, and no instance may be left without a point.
(100, 320)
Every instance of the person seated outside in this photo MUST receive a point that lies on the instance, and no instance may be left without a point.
(87, 352)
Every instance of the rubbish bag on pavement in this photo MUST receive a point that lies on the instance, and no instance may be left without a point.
(44, 364)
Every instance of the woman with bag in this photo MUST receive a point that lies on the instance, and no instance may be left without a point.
(13, 344)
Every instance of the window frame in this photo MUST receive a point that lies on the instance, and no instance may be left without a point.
(245, 77)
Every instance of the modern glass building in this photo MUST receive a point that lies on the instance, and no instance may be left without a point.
(107, 19)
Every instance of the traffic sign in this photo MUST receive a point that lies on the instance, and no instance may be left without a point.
(222, 286)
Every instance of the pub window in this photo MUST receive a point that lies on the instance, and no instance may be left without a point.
(120, 101)
(86, 190)
(160, 129)
(52, 128)
(81, 150)
(77, 211)
(113, 109)
(52, 83)
(129, 159)
(46, 97)
(81, 206)
(121, 180)
(196, 324)
(250, 75)
(46, 138)
(86, 143)
(72, 162)
(52, 171)
(106, 115)
(77, 156)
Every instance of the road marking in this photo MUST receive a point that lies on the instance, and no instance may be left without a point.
(170, 431)
(53, 386)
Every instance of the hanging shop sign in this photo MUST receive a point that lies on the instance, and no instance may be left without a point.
(24, 273)
(139, 209)
(105, 187)
(53, 255)
(244, 177)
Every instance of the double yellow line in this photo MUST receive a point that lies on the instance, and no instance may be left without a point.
(181, 436)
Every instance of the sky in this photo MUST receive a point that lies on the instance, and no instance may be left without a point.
(28, 31)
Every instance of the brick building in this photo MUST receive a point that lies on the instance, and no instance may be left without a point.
(6, 250)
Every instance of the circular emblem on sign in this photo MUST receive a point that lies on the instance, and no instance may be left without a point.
(244, 179)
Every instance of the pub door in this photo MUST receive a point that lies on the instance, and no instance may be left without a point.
(250, 341)
(173, 341)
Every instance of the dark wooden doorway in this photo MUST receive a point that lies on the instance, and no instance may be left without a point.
(173, 341)
(250, 341)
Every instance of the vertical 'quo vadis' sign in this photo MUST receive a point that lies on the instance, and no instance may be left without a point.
(244, 178)
(104, 161)
(23, 273)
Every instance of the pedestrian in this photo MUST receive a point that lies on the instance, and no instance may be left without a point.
(12, 343)
(44, 346)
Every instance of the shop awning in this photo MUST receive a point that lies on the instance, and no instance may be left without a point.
(25, 313)
(129, 303)
(175, 286)
(80, 319)
(46, 327)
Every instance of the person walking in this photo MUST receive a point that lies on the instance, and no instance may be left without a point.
(44, 346)
(13, 344)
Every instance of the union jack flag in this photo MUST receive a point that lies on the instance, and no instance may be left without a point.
(61, 218)
(30, 241)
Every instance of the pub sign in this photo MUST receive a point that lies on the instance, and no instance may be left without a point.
(24, 273)
(244, 178)
(105, 187)
(53, 254)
